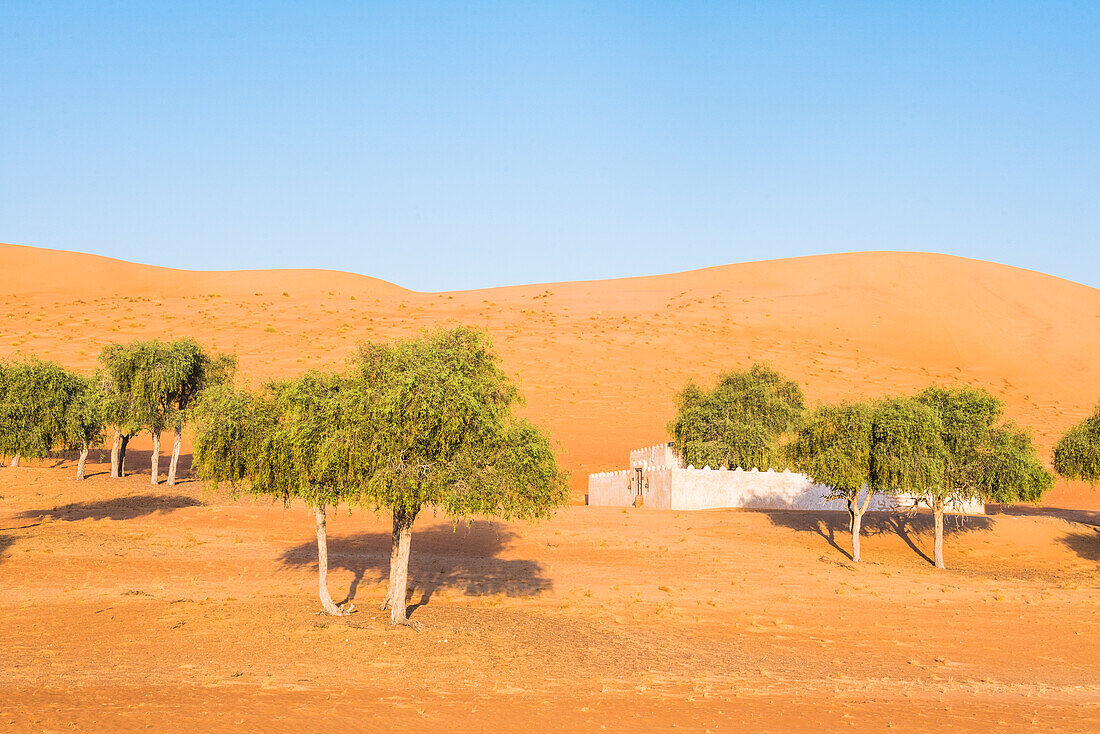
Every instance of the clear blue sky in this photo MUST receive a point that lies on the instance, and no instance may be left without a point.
(445, 146)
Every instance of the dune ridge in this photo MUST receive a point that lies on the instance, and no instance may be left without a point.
(600, 361)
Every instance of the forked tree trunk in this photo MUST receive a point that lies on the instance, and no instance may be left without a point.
(83, 460)
(399, 565)
(154, 474)
(115, 449)
(851, 514)
(938, 553)
(857, 521)
(322, 565)
(176, 439)
(15, 460)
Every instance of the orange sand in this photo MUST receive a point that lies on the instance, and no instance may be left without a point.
(125, 606)
(599, 361)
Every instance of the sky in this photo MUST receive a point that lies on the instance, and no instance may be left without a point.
(446, 146)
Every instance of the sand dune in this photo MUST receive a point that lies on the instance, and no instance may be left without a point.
(600, 361)
(126, 605)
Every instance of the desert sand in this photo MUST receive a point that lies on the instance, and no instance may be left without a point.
(127, 606)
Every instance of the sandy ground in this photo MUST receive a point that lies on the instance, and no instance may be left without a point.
(126, 606)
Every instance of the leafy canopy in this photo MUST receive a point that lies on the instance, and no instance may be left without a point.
(984, 457)
(150, 384)
(1077, 453)
(741, 422)
(415, 422)
(44, 407)
(432, 423)
(834, 448)
(907, 454)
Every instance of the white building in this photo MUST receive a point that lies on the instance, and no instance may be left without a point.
(658, 479)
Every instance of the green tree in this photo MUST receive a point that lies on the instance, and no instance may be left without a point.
(84, 419)
(37, 400)
(908, 455)
(416, 423)
(431, 424)
(740, 423)
(121, 399)
(834, 448)
(143, 379)
(191, 370)
(984, 457)
(7, 417)
(268, 443)
(1077, 453)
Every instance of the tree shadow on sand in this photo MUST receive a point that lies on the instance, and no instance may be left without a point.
(117, 508)
(1085, 517)
(830, 525)
(5, 543)
(460, 557)
(1085, 543)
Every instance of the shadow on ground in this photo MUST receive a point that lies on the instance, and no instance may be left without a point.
(833, 527)
(462, 557)
(1085, 517)
(1085, 543)
(5, 543)
(117, 508)
(138, 463)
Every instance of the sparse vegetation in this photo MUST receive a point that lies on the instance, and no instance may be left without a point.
(834, 448)
(1077, 453)
(742, 422)
(983, 457)
(414, 423)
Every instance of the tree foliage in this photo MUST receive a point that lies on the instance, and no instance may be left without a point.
(834, 448)
(740, 423)
(438, 411)
(908, 453)
(986, 458)
(412, 423)
(44, 407)
(1077, 453)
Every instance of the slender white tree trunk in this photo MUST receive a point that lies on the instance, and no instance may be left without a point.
(938, 512)
(15, 460)
(857, 521)
(83, 460)
(154, 474)
(176, 439)
(399, 571)
(322, 565)
(395, 543)
(115, 449)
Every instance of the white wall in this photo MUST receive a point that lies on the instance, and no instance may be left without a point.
(704, 489)
(660, 454)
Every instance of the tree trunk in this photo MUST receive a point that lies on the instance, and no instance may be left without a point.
(851, 515)
(395, 543)
(83, 460)
(399, 566)
(122, 455)
(857, 521)
(938, 512)
(15, 460)
(322, 565)
(154, 474)
(177, 437)
(115, 448)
